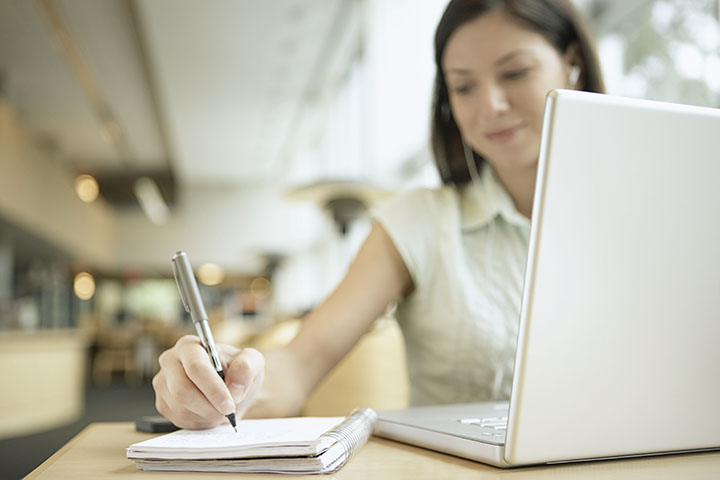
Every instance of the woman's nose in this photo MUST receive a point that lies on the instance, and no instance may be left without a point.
(492, 100)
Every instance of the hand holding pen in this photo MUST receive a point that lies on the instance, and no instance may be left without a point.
(189, 390)
(192, 302)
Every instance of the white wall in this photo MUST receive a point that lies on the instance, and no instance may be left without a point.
(37, 193)
(400, 70)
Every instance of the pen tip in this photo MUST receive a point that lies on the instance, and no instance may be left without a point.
(231, 418)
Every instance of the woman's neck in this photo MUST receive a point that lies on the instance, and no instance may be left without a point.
(520, 185)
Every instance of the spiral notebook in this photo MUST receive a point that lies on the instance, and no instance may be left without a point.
(302, 445)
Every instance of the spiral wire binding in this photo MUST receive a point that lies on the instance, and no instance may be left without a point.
(352, 433)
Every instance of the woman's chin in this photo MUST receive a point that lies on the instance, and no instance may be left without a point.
(517, 162)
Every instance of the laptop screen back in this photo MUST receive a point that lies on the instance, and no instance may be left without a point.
(618, 349)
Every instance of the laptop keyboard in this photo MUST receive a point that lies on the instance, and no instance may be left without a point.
(492, 426)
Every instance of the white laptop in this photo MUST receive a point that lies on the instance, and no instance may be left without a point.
(619, 346)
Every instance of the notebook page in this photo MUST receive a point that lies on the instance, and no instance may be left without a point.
(222, 440)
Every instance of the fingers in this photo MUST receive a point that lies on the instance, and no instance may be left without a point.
(185, 394)
(206, 380)
(182, 417)
(191, 394)
(188, 390)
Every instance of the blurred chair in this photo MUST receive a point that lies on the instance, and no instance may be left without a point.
(115, 352)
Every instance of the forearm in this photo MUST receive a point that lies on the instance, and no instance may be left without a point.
(293, 371)
(329, 333)
(376, 277)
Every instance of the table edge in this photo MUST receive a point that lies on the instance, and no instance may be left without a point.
(62, 450)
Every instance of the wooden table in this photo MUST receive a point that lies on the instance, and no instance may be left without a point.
(98, 452)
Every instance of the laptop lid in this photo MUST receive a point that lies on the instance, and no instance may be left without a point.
(618, 351)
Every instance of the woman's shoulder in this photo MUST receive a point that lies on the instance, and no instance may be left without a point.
(424, 200)
(415, 221)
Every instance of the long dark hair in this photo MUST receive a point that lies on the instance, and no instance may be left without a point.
(556, 20)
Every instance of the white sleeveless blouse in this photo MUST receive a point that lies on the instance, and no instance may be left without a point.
(466, 252)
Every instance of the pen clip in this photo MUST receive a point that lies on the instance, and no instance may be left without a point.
(181, 290)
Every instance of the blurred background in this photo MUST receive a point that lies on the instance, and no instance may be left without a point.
(253, 135)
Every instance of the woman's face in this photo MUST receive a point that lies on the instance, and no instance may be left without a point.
(498, 74)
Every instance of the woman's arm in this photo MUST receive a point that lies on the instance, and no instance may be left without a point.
(190, 393)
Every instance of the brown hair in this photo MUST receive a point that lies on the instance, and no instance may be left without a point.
(556, 20)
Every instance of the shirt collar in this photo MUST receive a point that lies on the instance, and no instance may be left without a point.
(483, 201)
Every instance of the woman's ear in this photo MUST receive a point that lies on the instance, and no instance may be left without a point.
(574, 66)
(573, 76)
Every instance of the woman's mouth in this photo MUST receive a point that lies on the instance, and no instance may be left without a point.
(503, 135)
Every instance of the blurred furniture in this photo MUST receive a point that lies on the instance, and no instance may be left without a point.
(42, 374)
(115, 352)
(373, 374)
(345, 199)
(131, 349)
(98, 452)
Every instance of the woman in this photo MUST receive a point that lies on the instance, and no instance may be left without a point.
(453, 256)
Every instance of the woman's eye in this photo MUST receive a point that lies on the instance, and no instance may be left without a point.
(515, 74)
(462, 89)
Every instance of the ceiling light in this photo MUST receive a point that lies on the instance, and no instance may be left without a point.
(86, 188)
(151, 200)
(211, 274)
(260, 287)
(84, 286)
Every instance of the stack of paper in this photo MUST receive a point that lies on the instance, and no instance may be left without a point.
(284, 445)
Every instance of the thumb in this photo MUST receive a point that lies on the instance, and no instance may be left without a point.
(243, 371)
(226, 354)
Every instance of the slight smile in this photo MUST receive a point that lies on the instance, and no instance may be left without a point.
(503, 135)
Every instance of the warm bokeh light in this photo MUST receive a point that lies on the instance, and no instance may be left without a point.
(260, 287)
(86, 188)
(84, 286)
(211, 274)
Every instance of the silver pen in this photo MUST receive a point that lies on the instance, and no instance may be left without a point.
(190, 296)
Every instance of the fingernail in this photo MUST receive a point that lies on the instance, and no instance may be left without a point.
(238, 391)
(227, 407)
